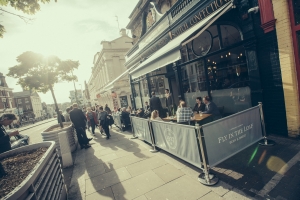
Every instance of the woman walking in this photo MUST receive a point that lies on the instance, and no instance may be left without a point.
(92, 119)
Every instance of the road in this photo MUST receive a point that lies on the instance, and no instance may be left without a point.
(34, 131)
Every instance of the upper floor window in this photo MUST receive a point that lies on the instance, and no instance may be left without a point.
(26, 100)
(19, 101)
(296, 9)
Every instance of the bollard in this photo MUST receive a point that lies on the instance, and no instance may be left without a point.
(65, 149)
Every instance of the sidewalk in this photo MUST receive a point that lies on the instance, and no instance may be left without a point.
(120, 168)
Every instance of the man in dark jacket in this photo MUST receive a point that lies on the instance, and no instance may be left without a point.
(104, 121)
(155, 103)
(169, 101)
(5, 120)
(125, 117)
(79, 121)
(211, 108)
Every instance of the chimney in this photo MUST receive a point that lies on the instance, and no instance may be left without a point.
(123, 32)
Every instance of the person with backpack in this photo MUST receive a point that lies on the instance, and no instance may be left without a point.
(104, 121)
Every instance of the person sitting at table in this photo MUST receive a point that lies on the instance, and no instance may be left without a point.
(140, 113)
(199, 106)
(184, 114)
(211, 108)
(155, 116)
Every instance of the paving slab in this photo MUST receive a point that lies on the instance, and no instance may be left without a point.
(145, 165)
(181, 188)
(103, 194)
(105, 180)
(122, 162)
(168, 172)
(137, 186)
(94, 171)
(211, 196)
(143, 197)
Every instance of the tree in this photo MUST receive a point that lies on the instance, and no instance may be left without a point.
(39, 73)
(29, 7)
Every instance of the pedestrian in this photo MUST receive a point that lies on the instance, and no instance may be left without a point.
(107, 109)
(155, 103)
(104, 121)
(169, 101)
(62, 118)
(5, 120)
(79, 121)
(92, 119)
(67, 115)
(125, 117)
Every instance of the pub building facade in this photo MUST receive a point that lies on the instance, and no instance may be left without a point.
(224, 49)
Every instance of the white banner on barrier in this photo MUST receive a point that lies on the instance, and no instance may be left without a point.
(117, 120)
(178, 140)
(228, 136)
(141, 129)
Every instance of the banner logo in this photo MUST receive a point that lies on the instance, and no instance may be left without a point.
(170, 138)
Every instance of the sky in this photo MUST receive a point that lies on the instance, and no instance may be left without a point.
(69, 29)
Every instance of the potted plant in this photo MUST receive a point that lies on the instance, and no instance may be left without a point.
(32, 172)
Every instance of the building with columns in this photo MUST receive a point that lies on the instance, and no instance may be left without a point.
(109, 65)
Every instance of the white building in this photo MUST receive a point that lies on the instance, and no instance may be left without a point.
(108, 65)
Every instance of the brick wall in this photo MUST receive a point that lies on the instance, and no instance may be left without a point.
(288, 66)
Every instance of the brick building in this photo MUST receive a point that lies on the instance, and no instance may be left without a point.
(30, 103)
(7, 104)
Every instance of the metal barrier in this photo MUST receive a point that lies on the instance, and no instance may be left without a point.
(208, 145)
(117, 121)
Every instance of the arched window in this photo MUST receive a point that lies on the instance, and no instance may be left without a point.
(216, 37)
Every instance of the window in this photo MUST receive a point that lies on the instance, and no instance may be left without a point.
(26, 100)
(296, 9)
(19, 101)
(28, 107)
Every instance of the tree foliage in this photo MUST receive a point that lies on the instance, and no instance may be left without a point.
(29, 7)
(40, 73)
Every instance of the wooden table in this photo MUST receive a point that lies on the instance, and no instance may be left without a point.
(198, 118)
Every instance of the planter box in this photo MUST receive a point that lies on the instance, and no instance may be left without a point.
(46, 179)
(53, 136)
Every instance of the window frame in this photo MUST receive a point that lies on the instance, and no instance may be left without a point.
(295, 28)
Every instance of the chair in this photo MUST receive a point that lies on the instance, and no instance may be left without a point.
(221, 110)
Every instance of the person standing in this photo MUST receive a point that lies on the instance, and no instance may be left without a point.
(169, 101)
(79, 121)
(107, 109)
(67, 115)
(199, 106)
(211, 108)
(155, 103)
(104, 121)
(125, 117)
(5, 120)
(92, 119)
(61, 117)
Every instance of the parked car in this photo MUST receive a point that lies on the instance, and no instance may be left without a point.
(19, 141)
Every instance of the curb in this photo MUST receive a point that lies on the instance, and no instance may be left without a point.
(20, 130)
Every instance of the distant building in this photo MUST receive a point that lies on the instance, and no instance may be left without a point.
(7, 104)
(30, 103)
(109, 66)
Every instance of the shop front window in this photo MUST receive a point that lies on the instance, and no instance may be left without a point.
(296, 9)
(194, 82)
(144, 90)
(137, 98)
(228, 80)
(158, 84)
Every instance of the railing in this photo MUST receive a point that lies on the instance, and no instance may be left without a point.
(179, 6)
